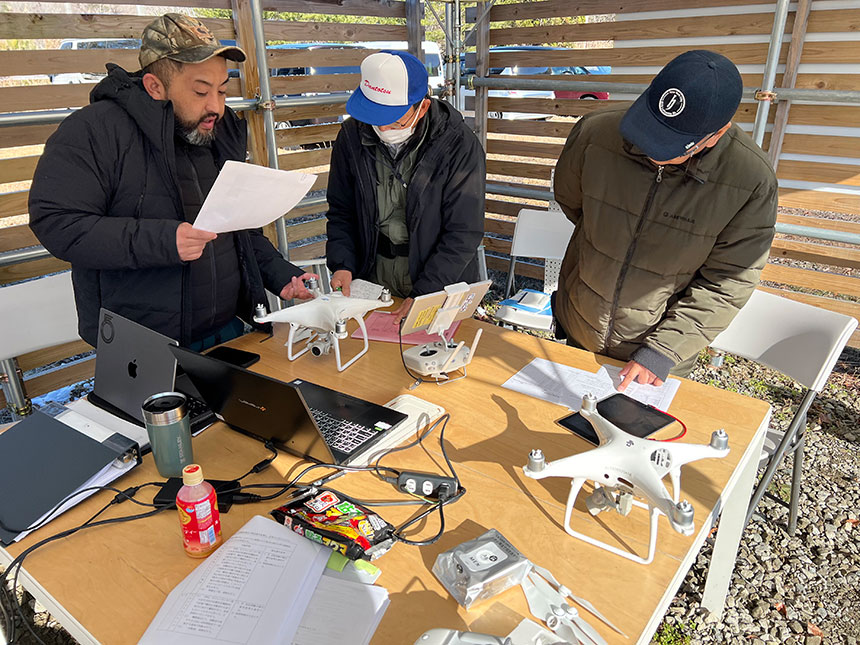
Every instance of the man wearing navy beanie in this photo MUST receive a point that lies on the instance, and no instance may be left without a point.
(674, 210)
(406, 186)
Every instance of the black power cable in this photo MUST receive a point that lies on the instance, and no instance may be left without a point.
(17, 563)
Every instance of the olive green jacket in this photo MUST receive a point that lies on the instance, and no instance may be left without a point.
(660, 260)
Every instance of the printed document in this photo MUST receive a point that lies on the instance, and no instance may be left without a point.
(564, 385)
(358, 608)
(254, 589)
(249, 196)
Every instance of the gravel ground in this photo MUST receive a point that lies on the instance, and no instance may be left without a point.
(800, 590)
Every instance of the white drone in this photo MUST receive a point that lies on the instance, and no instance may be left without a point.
(623, 466)
(325, 318)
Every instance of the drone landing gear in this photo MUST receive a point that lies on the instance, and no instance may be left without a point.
(320, 343)
(575, 486)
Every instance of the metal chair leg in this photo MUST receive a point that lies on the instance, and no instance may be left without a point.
(509, 283)
(797, 422)
(796, 475)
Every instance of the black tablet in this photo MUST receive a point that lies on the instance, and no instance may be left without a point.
(630, 415)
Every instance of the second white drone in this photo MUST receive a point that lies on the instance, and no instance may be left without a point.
(623, 466)
(325, 317)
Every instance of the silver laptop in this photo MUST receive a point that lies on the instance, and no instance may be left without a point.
(132, 363)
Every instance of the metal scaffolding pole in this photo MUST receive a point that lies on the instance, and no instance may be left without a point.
(787, 93)
(457, 37)
(764, 97)
(267, 105)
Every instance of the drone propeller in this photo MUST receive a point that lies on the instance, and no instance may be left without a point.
(547, 604)
(565, 593)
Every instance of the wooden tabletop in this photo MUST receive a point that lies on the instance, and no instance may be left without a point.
(113, 579)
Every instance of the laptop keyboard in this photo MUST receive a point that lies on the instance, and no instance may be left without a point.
(341, 435)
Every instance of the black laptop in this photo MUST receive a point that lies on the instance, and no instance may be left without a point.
(304, 418)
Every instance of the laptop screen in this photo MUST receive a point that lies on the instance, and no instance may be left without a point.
(254, 404)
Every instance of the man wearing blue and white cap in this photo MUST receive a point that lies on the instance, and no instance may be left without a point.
(674, 208)
(406, 185)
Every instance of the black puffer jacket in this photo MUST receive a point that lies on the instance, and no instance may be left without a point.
(444, 202)
(105, 197)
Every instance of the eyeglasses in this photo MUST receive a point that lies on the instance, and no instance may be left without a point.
(699, 145)
(399, 125)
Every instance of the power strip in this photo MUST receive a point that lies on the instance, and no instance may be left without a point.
(427, 485)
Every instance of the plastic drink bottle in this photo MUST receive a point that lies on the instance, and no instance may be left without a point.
(198, 513)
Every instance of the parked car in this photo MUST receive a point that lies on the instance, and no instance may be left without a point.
(528, 71)
(313, 71)
(91, 43)
(583, 71)
(107, 43)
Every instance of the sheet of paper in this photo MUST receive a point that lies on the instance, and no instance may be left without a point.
(659, 397)
(358, 608)
(380, 327)
(363, 289)
(254, 589)
(100, 417)
(564, 385)
(249, 196)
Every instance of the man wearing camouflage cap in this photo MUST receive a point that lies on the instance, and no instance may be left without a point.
(122, 180)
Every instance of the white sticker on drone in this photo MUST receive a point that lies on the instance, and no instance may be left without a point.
(661, 458)
(483, 557)
(672, 102)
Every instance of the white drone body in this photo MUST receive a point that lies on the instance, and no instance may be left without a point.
(623, 466)
(325, 317)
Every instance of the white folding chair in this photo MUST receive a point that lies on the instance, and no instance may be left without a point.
(537, 234)
(800, 341)
(36, 314)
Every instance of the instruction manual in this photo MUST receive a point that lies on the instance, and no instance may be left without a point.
(254, 589)
(248, 196)
(565, 385)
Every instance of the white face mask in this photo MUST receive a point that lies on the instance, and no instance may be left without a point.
(395, 137)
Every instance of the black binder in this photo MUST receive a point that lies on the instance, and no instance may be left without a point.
(43, 460)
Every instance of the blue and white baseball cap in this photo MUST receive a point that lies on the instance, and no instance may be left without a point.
(391, 83)
(693, 96)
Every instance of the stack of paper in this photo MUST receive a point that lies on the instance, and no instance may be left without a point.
(265, 585)
(565, 385)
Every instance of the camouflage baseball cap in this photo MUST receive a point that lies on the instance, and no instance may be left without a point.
(183, 39)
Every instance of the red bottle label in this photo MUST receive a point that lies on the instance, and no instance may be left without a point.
(201, 524)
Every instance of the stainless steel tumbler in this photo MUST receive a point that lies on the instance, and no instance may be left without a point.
(169, 430)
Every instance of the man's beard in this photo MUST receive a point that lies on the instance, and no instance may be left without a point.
(190, 131)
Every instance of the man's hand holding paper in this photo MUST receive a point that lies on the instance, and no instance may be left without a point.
(191, 241)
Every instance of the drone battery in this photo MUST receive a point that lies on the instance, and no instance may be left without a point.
(481, 568)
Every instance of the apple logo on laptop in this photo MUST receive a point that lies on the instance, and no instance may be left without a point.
(132, 369)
